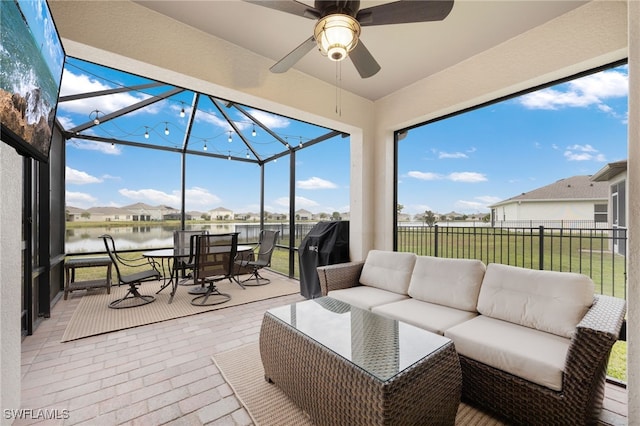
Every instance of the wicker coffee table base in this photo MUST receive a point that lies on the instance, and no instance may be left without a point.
(332, 390)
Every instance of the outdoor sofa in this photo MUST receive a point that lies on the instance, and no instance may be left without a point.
(533, 345)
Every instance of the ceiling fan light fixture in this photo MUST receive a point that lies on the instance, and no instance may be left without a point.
(337, 34)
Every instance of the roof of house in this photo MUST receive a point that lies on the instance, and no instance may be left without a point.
(137, 206)
(109, 210)
(609, 171)
(570, 189)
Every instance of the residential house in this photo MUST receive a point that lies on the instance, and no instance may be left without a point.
(248, 217)
(144, 212)
(75, 214)
(615, 175)
(303, 214)
(575, 200)
(221, 213)
(196, 215)
(110, 214)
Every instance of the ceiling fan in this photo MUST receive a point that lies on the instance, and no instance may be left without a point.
(337, 29)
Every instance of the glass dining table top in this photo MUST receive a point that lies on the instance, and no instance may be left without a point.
(379, 345)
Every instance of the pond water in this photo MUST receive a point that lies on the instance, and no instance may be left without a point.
(87, 239)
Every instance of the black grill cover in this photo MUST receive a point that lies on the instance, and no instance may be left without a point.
(326, 243)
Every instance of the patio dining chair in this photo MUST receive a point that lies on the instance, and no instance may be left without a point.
(262, 259)
(142, 271)
(184, 244)
(215, 254)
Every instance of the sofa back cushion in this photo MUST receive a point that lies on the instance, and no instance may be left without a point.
(388, 270)
(549, 301)
(449, 282)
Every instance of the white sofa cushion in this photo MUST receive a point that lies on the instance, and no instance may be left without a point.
(388, 270)
(549, 301)
(449, 282)
(366, 297)
(429, 316)
(524, 352)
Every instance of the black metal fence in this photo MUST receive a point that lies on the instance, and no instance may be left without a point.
(598, 253)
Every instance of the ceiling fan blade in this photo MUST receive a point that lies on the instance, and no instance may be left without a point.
(288, 6)
(364, 61)
(403, 12)
(294, 56)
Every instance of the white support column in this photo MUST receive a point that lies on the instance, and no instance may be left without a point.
(10, 279)
(633, 258)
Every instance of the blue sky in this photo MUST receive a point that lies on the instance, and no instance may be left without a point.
(463, 163)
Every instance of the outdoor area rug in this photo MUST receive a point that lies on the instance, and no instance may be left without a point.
(93, 316)
(267, 405)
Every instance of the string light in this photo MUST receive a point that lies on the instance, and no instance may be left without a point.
(146, 132)
(96, 120)
(253, 132)
(205, 145)
(182, 113)
(248, 154)
(166, 128)
(229, 157)
(230, 140)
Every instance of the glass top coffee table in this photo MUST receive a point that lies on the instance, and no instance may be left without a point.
(345, 365)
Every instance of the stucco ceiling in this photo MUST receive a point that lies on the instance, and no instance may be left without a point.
(406, 52)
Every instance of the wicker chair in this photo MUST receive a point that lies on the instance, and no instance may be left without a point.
(214, 262)
(579, 402)
(146, 271)
(266, 245)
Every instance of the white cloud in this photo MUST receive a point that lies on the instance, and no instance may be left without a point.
(213, 119)
(102, 147)
(593, 89)
(195, 198)
(583, 148)
(452, 155)
(316, 183)
(270, 120)
(424, 175)
(78, 177)
(583, 153)
(488, 199)
(79, 199)
(82, 83)
(471, 177)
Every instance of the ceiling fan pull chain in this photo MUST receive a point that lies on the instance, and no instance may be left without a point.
(339, 88)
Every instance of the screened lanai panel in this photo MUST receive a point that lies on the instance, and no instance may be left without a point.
(182, 145)
(119, 190)
(103, 104)
(322, 180)
(222, 190)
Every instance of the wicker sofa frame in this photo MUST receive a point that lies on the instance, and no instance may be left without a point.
(519, 401)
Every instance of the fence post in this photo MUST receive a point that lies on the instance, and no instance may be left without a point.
(435, 241)
(541, 247)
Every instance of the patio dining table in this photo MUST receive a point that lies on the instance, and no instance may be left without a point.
(171, 256)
